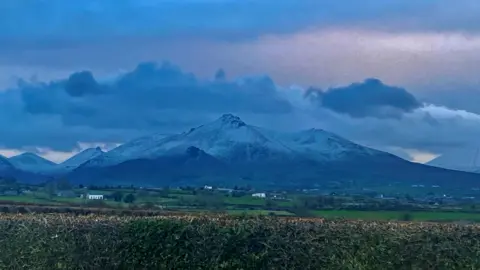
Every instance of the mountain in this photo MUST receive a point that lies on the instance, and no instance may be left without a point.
(8, 170)
(230, 139)
(81, 158)
(458, 159)
(231, 151)
(5, 164)
(32, 163)
(184, 168)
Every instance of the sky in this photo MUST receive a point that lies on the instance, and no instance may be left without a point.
(398, 75)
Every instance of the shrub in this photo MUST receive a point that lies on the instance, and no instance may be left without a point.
(59, 241)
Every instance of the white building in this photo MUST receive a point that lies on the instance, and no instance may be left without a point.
(94, 197)
(259, 195)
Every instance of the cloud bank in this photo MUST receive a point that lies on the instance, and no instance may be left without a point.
(62, 114)
(226, 18)
(370, 98)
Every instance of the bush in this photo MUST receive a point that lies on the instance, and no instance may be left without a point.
(57, 241)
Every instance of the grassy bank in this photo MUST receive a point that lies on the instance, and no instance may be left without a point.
(54, 241)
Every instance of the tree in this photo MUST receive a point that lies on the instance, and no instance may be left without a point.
(406, 217)
(51, 188)
(9, 181)
(270, 203)
(142, 193)
(117, 196)
(63, 184)
(164, 192)
(130, 198)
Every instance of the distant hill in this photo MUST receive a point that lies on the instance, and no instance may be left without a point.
(32, 162)
(5, 164)
(8, 170)
(230, 151)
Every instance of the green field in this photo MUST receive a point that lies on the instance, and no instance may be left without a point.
(396, 215)
(258, 212)
(210, 201)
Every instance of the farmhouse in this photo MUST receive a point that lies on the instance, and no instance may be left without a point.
(94, 197)
(259, 195)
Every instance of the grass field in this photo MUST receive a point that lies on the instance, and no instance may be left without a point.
(258, 212)
(396, 215)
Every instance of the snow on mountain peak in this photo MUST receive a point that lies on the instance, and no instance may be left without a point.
(82, 157)
(231, 120)
(230, 138)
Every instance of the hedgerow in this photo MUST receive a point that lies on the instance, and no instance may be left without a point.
(63, 241)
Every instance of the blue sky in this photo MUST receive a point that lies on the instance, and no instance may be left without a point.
(425, 56)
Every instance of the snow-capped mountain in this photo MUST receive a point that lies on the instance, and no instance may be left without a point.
(467, 160)
(32, 162)
(230, 139)
(81, 158)
(229, 151)
(322, 145)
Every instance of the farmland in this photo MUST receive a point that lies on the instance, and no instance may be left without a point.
(59, 241)
(232, 202)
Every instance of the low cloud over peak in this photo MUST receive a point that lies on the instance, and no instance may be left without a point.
(61, 114)
(370, 98)
(152, 97)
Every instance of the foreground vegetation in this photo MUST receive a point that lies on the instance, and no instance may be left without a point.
(60, 241)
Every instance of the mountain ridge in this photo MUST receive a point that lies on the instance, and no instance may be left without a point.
(32, 162)
(81, 157)
(234, 152)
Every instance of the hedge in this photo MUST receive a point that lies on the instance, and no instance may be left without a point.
(62, 241)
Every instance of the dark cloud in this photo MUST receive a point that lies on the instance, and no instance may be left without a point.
(163, 98)
(150, 98)
(226, 19)
(369, 98)
(458, 97)
(82, 83)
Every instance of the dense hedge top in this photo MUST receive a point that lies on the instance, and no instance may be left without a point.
(54, 241)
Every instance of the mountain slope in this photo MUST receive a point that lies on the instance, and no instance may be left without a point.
(182, 168)
(32, 162)
(467, 160)
(236, 153)
(230, 139)
(5, 164)
(81, 158)
(8, 170)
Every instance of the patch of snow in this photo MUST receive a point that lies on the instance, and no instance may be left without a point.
(82, 157)
(228, 135)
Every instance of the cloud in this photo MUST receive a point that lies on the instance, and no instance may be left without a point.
(369, 98)
(150, 98)
(162, 98)
(82, 83)
(226, 18)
